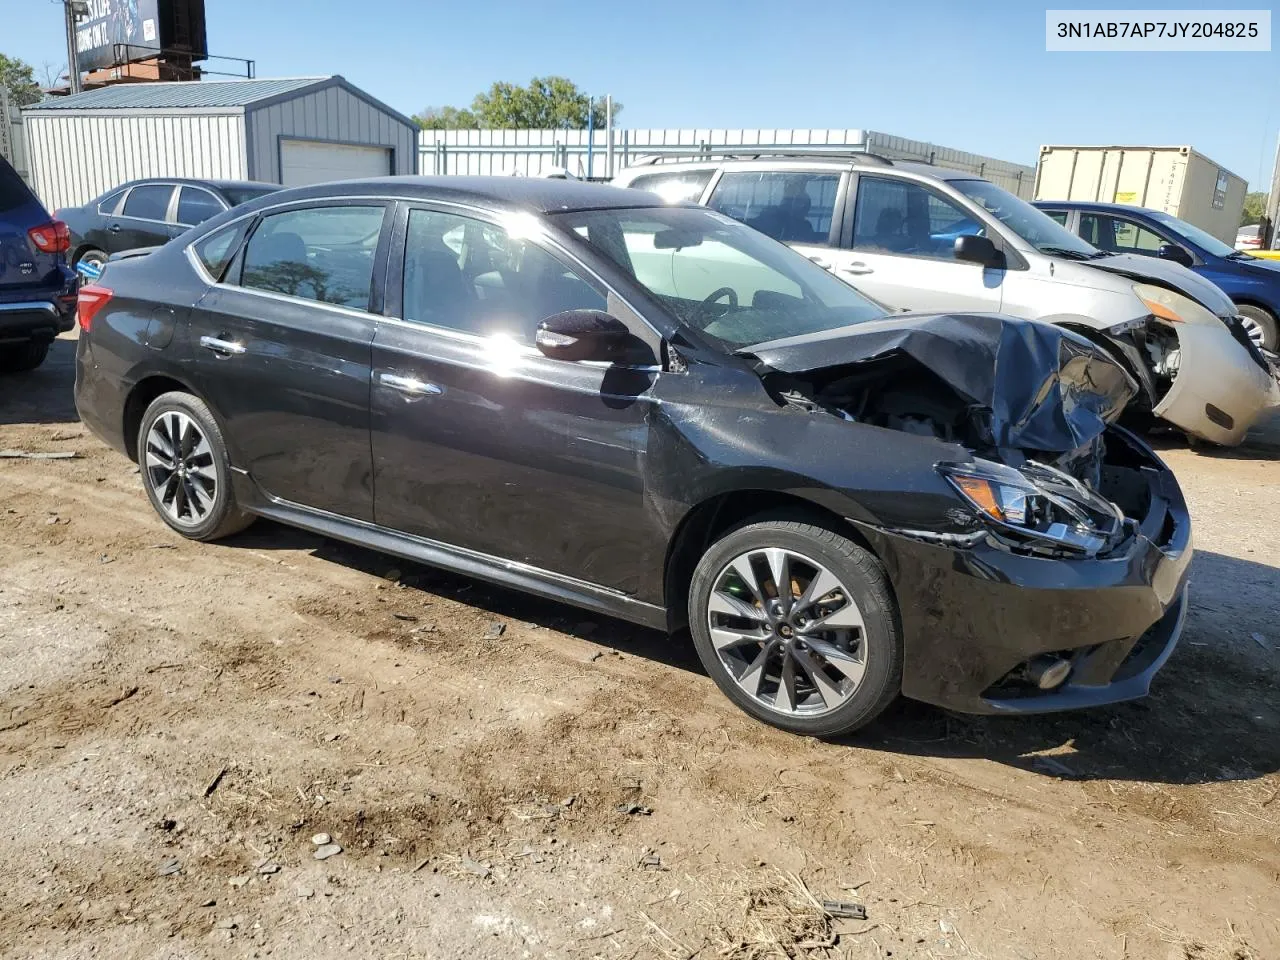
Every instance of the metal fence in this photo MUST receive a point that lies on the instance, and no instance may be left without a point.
(597, 155)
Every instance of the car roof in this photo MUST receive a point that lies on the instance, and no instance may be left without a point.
(1091, 205)
(196, 182)
(530, 194)
(863, 163)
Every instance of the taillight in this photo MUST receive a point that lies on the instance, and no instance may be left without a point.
(92, 298)
(51, 237)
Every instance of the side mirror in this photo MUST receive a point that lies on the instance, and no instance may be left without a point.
(978, 250)
(582, 335)
(1176, 253)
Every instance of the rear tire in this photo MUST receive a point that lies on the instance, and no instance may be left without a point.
(834, 619)
(23, 357)
(185, 470)
(1260, 325)
(93, 256)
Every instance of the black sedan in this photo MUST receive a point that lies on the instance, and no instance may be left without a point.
(149, 213)
(660, 414)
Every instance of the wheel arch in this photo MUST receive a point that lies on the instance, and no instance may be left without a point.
(141, 396)
(707, 520)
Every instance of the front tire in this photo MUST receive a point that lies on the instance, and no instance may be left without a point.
(1260, 325)
(185, 470)
(822, 654)
(23, 357)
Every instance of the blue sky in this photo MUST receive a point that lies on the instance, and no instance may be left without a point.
(971, 76)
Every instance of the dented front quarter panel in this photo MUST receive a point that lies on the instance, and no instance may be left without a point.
(716, 430)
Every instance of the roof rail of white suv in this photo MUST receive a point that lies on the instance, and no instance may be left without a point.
(752, 152)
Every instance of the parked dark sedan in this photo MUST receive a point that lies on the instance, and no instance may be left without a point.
(657, 413)
(1253, 284)
(37, 287)
(149, 213)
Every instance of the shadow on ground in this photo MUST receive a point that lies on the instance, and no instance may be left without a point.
(1212, 716)
(43, 395)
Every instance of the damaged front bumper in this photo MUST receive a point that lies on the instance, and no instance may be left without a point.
(1222, 388)
(975, 614)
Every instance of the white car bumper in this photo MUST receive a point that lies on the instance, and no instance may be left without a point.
(1220, 390)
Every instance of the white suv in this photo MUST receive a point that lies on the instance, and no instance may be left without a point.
(929, 239)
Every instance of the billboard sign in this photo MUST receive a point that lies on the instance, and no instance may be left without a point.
(144, 25)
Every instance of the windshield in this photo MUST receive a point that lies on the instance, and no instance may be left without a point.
(1205, 241)
(1032, 225)
(719, 276)
(238, 195)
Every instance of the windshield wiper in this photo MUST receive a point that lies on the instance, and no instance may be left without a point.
(1067, 252)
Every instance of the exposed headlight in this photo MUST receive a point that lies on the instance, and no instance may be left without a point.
(1172, 307)
(1037, 505)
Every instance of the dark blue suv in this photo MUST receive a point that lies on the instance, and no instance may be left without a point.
(37, 286)
(1253, 284)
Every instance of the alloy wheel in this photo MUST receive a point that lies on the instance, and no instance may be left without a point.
(1255, 331)
(180, 468)
(788, 632)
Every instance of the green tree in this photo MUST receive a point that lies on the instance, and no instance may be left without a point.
(20, 80)
(546, 103)
(446, 118)
(1255, 208)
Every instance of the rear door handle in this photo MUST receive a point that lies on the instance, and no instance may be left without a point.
(411, 387)
(225, 348)
(114, 228)
(820, 262)
(857, 268)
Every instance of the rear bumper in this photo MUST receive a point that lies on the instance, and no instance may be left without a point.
(41, 319)
(973, 615)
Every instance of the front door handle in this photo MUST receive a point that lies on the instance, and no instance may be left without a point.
(857, 268)
(410, 386)
(114, 228)
(224, 348)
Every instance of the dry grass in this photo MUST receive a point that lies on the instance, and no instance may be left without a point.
(770, 915)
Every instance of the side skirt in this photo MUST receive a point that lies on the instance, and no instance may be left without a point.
(507, 573)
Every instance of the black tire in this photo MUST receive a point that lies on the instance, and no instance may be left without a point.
(23, 357)
(221, 515)
(93, 256)
(858, 571)
(1265, 323)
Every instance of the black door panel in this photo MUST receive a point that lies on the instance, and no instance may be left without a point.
(295, 402)
(490, 446)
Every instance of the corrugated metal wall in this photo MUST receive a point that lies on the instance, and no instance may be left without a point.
(532, 152)
(332, 114)
(76, 157)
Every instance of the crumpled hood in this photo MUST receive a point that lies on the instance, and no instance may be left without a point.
(1034, 386)
(1166, 273)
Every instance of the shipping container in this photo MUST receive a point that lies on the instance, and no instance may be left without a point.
(597, 155)
(1176, 180)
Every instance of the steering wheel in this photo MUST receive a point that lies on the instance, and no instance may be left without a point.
(715, 295)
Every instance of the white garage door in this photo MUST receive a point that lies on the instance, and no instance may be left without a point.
(306, 161)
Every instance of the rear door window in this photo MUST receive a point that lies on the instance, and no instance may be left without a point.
(317, 253)
(149, 201)
(791, 207)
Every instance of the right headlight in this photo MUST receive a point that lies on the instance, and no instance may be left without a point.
(1037, 506)
(1172, 307)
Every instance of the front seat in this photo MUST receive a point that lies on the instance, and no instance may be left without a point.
(435, 291)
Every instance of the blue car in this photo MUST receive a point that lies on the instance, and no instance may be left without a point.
(37, 286)
(1252, 283)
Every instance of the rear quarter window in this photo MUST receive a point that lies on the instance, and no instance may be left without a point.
(218, 249)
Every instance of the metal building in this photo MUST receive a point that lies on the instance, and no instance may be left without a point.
(294, 131)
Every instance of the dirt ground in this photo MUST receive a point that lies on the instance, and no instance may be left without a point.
(179, 721)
